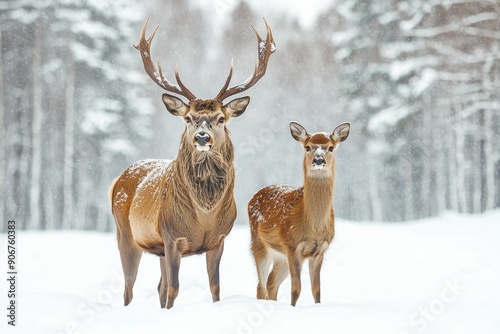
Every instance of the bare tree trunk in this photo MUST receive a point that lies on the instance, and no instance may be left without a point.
(69, 143)
(35, 130)
(460, 162)
(488, 179)
(408, 189)
(440, 186)
(374, 196)
(478, 166)
(440, 167)
(489, 161)
(451, 161)
(425, 195)
(24, 163)
(52, 184)
(2, 141)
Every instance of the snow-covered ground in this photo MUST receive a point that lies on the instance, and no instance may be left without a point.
(433, 276)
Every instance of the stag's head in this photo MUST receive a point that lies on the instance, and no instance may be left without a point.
(205, 119)
(319, 148)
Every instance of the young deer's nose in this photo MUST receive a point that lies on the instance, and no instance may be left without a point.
(202, 138)
(319, 160)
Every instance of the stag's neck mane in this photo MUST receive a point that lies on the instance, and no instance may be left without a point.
(207, 175)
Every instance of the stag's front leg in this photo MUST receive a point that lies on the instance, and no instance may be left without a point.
(173, 255)
(213, 262)
(162, 286)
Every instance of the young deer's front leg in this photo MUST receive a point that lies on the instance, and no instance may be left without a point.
(315, 272)
(295, 264)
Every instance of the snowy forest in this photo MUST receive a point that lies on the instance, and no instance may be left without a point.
(419, 80)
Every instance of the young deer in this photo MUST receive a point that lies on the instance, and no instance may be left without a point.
(186, 206)
(290, 224)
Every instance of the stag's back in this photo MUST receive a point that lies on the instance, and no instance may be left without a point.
(137, 195)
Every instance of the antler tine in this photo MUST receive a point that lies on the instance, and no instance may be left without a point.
(270, 34)
(150, 39)
(228, 80)
(259, 39)
(157, 76)
(265, 49)
(161, 77)
(142, 36)
(189, 95)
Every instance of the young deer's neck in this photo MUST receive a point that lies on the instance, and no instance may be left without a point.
(318, 199)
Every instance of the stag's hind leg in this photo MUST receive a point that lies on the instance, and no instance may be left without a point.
(130, 255)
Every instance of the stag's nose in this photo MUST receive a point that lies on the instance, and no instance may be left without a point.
(318, 160)
(202, 138)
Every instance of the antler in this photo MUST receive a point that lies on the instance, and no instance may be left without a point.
(265, 48)
(157, 76)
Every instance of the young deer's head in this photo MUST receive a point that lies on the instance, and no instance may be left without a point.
(319, 148)
(206, 119)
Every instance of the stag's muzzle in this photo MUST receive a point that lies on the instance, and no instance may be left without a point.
(202, 138)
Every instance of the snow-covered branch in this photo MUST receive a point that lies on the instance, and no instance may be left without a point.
(460, 26)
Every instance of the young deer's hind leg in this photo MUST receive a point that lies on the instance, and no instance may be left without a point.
(263, 263)
(277, 276)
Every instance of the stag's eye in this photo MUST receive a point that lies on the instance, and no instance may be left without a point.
(188, 119)
(308, 148)
(222, 120)
(330, 149)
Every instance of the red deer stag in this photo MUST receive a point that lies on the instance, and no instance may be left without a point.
(186, 206)
(290, 224)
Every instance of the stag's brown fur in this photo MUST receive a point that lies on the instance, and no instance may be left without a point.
(289, 225)
(178, 208)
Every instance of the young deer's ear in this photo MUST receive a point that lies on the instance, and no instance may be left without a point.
(341, 132)
(237, 106)
(298, 132)
(174, 105)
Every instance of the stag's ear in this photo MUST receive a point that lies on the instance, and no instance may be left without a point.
(341, 132)
(298, 132)
(174, 105)
(237, 106)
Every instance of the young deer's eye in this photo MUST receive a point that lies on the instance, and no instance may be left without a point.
(222, 120)
(188, 119)
(330, 149)
(308, 148)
